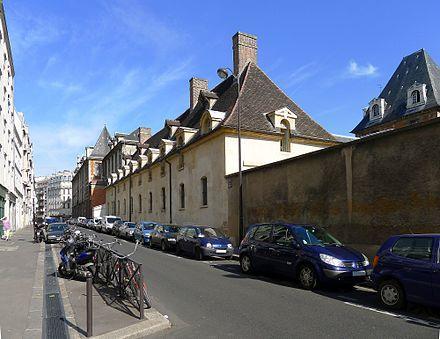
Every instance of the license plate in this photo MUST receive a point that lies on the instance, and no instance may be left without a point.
(359, 273)
(220, 251)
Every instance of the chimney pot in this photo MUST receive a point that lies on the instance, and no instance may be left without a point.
(195, 86)
(245, 49)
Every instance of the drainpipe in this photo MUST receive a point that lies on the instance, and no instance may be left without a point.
(171, 200)
(129, 199)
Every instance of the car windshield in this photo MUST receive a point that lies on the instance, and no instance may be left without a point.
(171, 228)
(57, 227)
(210, 232)
(312, 235)
(148, 226)
(130, 224)
(112, 220)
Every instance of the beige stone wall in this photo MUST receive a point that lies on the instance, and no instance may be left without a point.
(363, 191)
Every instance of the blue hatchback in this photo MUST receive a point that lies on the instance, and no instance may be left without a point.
(306, 252)
(143, 231)
(406, 268)
(204, 241)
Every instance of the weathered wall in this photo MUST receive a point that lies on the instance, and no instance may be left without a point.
(362, 192)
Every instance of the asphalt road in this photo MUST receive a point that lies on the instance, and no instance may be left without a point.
(212, 299)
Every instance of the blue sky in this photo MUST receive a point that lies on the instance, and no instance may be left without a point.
(81, 64)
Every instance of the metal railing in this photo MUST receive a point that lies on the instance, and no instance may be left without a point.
(123, 274)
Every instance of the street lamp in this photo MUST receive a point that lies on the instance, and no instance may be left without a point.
(223, 73)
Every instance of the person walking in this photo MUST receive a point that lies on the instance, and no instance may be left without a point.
(6, 228)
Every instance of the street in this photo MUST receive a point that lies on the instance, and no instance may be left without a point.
(213, 299)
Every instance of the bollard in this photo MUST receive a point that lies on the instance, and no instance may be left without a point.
(141, 293)
(89, 292)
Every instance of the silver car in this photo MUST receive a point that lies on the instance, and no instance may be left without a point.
(127, 230)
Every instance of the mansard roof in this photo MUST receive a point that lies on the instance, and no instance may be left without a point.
(258, 95)
(417, 67)
(101, 147)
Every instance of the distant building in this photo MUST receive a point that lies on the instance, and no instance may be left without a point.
(412, 95)
(16, 158)
(59, 194)
(88, 184)
(41, 197)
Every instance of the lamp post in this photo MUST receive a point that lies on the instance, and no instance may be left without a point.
(223, 73)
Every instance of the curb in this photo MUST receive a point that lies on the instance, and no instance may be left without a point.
(154, 321)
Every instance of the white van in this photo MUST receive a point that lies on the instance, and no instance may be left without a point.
(108, 222)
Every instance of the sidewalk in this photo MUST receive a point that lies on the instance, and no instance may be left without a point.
(21, 286)
(111, 318)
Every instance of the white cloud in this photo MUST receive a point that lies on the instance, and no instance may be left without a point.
(356, 70)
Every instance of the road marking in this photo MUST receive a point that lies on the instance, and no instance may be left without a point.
(395, 315)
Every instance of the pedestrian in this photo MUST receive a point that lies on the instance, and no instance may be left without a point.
(6, 228)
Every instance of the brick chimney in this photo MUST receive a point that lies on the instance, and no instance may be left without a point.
(144, 134)
(195, 86)
(245, 49)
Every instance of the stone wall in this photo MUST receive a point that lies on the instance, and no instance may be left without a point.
(362, 192)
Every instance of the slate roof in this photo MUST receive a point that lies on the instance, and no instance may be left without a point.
(417, 67)
(258, 95)
(102, 144)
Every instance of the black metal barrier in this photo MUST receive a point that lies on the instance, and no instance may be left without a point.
(125, 275)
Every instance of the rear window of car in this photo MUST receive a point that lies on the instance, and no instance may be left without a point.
(263, 233)
(414, 248)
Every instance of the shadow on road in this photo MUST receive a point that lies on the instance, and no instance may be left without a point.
(359, 296)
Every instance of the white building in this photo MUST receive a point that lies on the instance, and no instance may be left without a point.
(16, 165)
(59, 194)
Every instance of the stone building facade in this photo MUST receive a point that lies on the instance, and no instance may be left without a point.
(16, 155)
(59, 194)
(88, 184)
(178, 174)
(41, 197)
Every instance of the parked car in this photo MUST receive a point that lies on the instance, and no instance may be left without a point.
(164, 236)
(406, 270)
(143, 231)
(81, 221)
(305, 252)
(204, 241)
(116, 227)
(127, 230)
(107, 223)
(55, 231)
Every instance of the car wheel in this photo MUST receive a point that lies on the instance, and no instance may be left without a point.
(391, 294)
(246, 264)
(198, 254)
(163, 246)
(307, 277)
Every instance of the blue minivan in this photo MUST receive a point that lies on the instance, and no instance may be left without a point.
(305, 252)
(407, 268)
(143, 231)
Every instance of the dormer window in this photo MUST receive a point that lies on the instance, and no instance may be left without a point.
(285, 140)
(376, 108)
(416, 96)
(180, 141)
(162, 151)
(376, 111)
(206, 124)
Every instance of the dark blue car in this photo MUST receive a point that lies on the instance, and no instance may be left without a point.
(143, 231)
(305, 252)
(406, 268)
(204, 241)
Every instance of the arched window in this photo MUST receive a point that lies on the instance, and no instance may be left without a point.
(415, 97)
(204, 184)
(125, 207)
(119, 207)
(150, 202)
(206, 124)
(163, 199)
(285, 140)
(376, 111)
(180, 141)
(182, 196)
(140, 203)
(181, 161)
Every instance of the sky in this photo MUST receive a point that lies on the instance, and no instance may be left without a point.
(80, 64)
